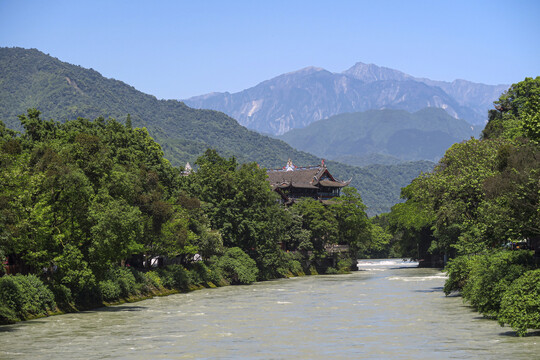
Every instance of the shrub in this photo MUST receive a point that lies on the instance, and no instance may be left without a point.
(490, 276)
(215, 275)
(142, 283)
(458, 270)
(74, 272)
(138, 275)
(237, 267)
(7, 315)
(331, 271)
(110, 290)
(62, 295)
(194, 278)
(25, 295)
(125, 280)
(295, 267)
(290, 266)
(272, 263)
(520, 305)
(88, 296)
(174, 277)
(199, 274)
(39, 294)
(344, 266)
(152, 277)
(9, 293)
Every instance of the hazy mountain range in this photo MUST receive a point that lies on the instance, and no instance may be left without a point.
(297, 99)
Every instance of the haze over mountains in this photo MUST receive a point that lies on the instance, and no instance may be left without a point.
(382, 136)
(297, 99)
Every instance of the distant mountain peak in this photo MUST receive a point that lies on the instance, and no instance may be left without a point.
(372, 72)
(298, 98)
(308, 70)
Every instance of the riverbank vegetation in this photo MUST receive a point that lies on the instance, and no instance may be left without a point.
(479, 205)
(91, 213)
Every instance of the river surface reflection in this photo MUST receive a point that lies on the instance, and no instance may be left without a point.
(389, 310)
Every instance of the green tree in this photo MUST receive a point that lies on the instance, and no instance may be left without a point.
(236, 199)
(516, 112)
(379, 242)
(321, 224)
(511, 209)
(116, 231)
(447, 201)
(354, 227)
(36, 129)
(412, 223)
(490, 276)
(129, 125)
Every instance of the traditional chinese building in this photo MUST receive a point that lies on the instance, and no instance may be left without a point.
(187, 170)
(316, 182)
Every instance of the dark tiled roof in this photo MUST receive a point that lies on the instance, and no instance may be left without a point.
(307, 177)
(300, 177)
(330, 183)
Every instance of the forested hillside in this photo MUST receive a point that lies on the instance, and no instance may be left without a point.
(423, 135)
(61, 91)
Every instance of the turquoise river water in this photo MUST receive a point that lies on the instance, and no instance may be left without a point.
(389, 310)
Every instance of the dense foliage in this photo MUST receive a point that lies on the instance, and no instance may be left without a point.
(520, 305)
(483, 196)
(22, 297)
(93, 213)
(237, 267)
(490, 276)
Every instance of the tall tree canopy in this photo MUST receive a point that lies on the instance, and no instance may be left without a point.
(483, 193)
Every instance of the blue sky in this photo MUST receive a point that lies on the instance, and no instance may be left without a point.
(178, 49)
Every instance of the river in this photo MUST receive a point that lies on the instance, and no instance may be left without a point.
(389, 310)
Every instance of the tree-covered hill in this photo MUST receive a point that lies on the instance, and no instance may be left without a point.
(423, 135)
(61, 91)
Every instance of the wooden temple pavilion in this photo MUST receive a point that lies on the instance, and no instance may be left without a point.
(316, 182)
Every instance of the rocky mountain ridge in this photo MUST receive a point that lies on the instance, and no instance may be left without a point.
(297, 99)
